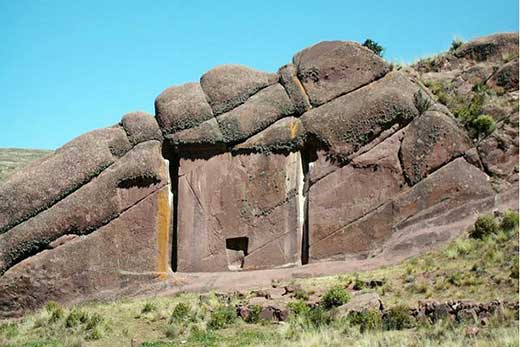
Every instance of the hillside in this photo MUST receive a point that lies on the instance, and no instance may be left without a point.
(463, 295)
(386, 203)
(12, 159)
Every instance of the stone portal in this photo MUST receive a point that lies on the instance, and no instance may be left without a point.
(239, 212)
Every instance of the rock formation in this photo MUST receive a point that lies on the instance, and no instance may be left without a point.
(338, 156)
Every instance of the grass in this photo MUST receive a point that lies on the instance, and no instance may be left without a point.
(12, 159)
(481, 269)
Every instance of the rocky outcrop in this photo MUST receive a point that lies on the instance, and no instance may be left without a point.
(334, 157)
(333, 68)
(239, 212)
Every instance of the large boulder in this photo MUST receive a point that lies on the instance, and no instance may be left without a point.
(287, 134)
(430, 141)
(239, 212)
(506, 77)
(333, 68)
(499, 151)
(454, 187)
(206, 133)
(228, 86)
(118, 258)
(39, 186)
(353, 120)
(182, 107)
(350, 192)
(496, 47)
(257, 113)
(141, 127)
(139, 173)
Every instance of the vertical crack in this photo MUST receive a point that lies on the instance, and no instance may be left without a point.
(307, 155)
(169, 153)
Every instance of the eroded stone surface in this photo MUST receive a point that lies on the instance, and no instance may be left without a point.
(182, 107)
(293, 86)
(40, 185)
(246, 196)
(430, 141)
(141, 127)
(489, 47)
(452, 187)
(353, 120)
(353, 191)
(228, 86)
(333, 68)
(136, 175)
(287, 134)
(257, 113)
(130, 251)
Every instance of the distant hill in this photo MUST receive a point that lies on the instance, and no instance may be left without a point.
(12, 159)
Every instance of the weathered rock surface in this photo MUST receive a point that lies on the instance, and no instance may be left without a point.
(351, 121)
(506, 77)
(239, 212)
(39, 186)
(136, 175)
(141, 127)
(333, 158)
(333, 68)
(287, 134)
(130, 251)
(430, 141)
(352, 191)
(228, 86)
(257, 113)
(489, 47)
(293, 86)
(360, 303)
(182, 107)
(448, 188)
(499, 152)
(206, 133)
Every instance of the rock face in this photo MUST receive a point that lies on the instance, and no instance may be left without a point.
(335, 157)
(239, 212)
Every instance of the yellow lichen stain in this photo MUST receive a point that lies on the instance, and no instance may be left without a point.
(163, 233)
(293, 128)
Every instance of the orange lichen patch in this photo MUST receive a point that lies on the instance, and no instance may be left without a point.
(163, 233)
(293, 128)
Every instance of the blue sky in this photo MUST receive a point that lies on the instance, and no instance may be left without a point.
(67, 67)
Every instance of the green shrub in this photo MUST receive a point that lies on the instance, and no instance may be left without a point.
(300, 294)
(335, 296)
(398, 318)
(8, 330)
(485, 225)
(299, 308)
(366, 320)
(254, 314)
(509, 221)
(181, 312)
(75, 318)
(374, 47)
(422, 102)
(222, 317)
(56, 312)
(484, 125)
(455, 279)
(456, 43)
(149, 307)
(318, 316)
(95, 334)
(94, 321)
